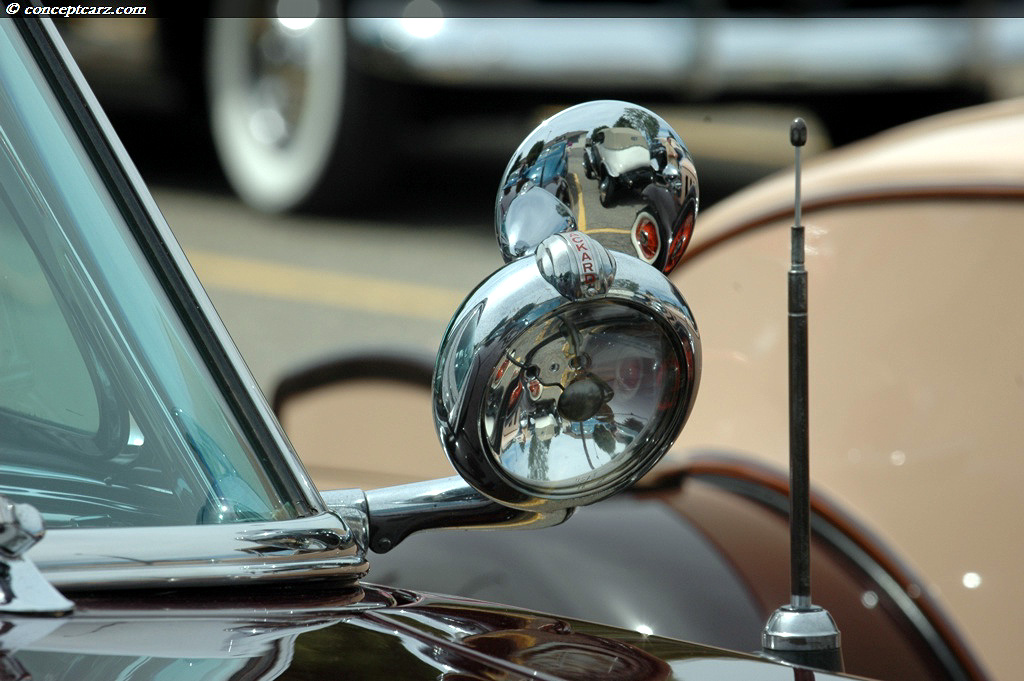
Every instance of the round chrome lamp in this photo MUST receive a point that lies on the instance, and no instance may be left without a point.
(614, 170)
(568, 373)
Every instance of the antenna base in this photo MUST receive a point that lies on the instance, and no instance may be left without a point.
(805, 636)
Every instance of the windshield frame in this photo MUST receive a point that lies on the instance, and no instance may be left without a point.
(332, 545)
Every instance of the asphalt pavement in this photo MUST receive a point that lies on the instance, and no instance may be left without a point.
(293, 290)
(389, 272)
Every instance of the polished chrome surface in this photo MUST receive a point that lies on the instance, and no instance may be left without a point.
(806, 636)
(544, 401)
(350, 505)
(534, 216)
(22, 588)
(319, 546)
(615, 170)
(800, 628)
(393, 513)
(576, 265)
(21, 527)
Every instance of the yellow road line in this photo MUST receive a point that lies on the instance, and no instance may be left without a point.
(608, 230)
(581, 211)
(308, 285)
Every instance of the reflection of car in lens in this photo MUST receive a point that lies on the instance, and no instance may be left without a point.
(663, 185)
(619, 159)
(549, 172)
(661, 230)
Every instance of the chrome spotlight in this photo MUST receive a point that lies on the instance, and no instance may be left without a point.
(568, 373)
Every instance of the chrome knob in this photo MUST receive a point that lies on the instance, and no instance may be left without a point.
(21, 527)
(23, 589)
(613, 170)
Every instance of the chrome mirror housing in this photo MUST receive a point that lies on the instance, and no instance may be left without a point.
(614, 170)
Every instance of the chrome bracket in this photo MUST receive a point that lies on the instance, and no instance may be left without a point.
(381, 518)
(23, 589)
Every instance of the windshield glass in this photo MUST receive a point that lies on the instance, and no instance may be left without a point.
(108, 414)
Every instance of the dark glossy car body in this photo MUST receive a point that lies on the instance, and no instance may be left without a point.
(364, 632)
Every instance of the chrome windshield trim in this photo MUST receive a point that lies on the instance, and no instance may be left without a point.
(320, 547)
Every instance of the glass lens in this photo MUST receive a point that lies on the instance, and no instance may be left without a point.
(578, 392)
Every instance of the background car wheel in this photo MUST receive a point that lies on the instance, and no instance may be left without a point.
(286, 110)
(606, 191)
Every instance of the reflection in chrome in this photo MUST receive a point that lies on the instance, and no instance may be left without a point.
(618, 172)
(531, 218)
(318, 546)
(382, 518)
(598, 376)
(576, 265)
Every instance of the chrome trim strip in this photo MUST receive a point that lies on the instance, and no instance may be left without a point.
(111, 558)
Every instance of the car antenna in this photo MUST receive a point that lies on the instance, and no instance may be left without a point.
(800, 633)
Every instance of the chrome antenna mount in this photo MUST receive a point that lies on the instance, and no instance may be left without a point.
(800, 633)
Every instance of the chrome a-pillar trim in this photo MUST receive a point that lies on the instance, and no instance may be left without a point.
(320, 547)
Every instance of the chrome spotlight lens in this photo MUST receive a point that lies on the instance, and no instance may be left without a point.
(611, 169)
(565, 376)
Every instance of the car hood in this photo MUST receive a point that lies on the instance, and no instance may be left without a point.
(356, 632)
